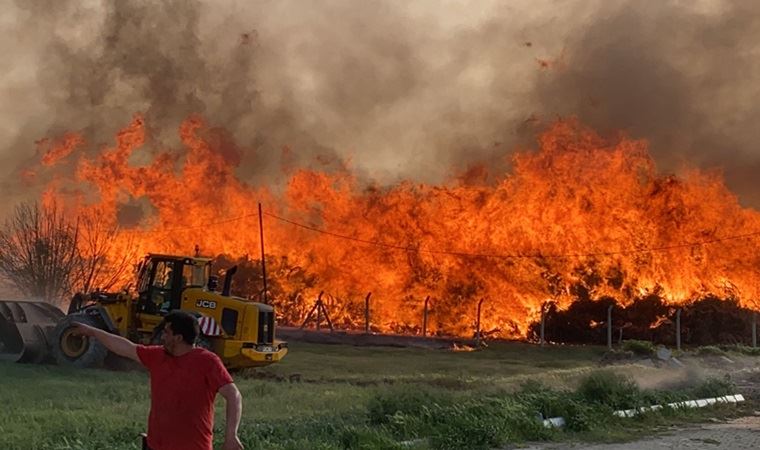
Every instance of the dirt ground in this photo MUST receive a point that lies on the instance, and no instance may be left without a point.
(736, 434)
(718, 434)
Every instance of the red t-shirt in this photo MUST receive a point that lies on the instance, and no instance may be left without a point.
(182, 390)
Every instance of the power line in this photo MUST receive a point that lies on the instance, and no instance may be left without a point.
(513, 256)
(194, 227)
(457, 253)
(389, 246)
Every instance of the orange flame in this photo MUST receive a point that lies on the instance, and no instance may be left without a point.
(579, 211)
(58, 150)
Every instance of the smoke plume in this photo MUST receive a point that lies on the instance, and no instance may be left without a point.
(419, 91)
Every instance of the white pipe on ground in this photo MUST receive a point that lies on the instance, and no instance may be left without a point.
(701, 403)
(558, 422)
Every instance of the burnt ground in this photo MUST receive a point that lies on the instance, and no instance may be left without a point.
(359, 338)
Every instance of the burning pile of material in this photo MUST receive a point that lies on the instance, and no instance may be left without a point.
(579, 218)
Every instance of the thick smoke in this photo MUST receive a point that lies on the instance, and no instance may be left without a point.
(417, 91)
(683, 75)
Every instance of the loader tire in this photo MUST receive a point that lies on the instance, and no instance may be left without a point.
(77, 351)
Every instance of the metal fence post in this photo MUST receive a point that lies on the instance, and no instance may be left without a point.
(609, 327)
(366, 313)
(319, 315)
(543, 324)
(425, 317)
(754, 329)
(477, 332)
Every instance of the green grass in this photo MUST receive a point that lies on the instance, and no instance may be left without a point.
(640, 348)
(352, 398)
(710, 350)
(741, 349)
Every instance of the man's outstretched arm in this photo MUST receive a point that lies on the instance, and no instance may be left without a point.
(117, 344)
(234, 412)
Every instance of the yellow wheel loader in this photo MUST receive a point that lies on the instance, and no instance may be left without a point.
(240, 331)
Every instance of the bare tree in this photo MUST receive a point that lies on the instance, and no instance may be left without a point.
(98, 269)
(38, 251)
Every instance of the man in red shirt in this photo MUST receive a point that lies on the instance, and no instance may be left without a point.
(184, 381)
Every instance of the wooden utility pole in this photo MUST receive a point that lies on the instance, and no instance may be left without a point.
(263, 259)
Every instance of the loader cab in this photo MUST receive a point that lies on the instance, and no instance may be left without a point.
(162, 278)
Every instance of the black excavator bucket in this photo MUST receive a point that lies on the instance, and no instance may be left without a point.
(26, 329)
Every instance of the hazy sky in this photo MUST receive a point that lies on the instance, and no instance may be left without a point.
(406, 90)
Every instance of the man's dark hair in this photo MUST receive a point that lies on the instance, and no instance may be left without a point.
(184, 324)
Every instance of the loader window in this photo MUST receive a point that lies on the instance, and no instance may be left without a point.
(164, 275)
(194, 276)
(229, 321)
(161, 292)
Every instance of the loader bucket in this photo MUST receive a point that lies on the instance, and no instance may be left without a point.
(26, 329)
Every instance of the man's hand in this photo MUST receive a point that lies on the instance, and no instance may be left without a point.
(112, 342)
(232, 443)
